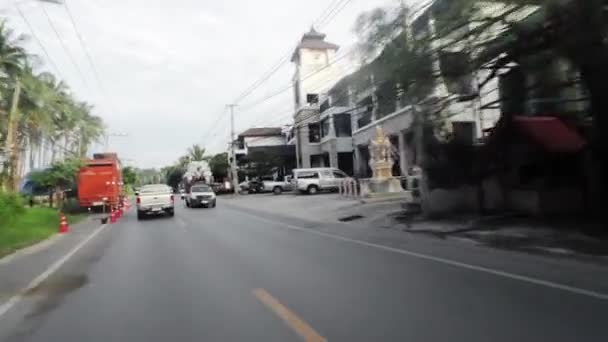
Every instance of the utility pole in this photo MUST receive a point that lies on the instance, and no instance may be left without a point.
(235, 176)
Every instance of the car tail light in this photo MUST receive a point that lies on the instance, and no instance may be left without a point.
(138, 200)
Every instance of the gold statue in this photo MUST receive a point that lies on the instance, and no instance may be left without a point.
(381, 160)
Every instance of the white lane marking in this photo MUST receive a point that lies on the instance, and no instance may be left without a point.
(536, 281)
(4, 308)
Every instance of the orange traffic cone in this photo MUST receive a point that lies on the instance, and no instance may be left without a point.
(63, 225)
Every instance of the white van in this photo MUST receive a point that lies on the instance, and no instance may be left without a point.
(318, 179)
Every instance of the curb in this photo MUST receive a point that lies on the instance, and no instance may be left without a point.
(35, 248)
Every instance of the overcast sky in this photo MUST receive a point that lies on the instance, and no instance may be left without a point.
(169, 67)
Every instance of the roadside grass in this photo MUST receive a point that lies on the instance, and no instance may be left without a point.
(34, 225)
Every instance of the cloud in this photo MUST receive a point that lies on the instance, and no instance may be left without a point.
(170, 67)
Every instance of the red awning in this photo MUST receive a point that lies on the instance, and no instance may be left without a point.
(551, 132)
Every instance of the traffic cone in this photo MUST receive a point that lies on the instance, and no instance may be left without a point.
(63, 225)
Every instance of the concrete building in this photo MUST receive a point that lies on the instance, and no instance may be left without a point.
(315, 73)
(467, 115)
(270, 141)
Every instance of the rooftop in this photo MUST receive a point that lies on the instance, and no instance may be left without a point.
(313, 40)
(262, 132)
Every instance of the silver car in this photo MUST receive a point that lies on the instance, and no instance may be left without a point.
(201, 195)
(318, 179)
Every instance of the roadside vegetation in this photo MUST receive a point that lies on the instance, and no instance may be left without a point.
(43, 127)
(21, 227)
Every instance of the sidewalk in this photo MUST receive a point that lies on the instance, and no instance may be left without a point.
(557, 239)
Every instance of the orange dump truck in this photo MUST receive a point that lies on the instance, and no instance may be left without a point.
(100, 181)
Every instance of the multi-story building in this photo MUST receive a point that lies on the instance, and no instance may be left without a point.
(269, 141)
(466, 111)
(316, 71)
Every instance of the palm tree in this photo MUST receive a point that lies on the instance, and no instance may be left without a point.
(90, 129)
(197, 153)
(12, 60)
(37, 109)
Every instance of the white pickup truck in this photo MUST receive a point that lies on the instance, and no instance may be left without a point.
(277, 187)
(155, 199)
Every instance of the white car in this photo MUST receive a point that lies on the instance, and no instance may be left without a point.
(319, 179)
(201, 195)
(155, 199)
(276, 187)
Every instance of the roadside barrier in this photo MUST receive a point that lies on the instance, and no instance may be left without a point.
(63, 225)
(113, 216)
(348, 188)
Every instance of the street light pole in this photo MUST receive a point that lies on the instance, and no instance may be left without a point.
(235, 177)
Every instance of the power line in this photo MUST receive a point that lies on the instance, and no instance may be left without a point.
(282, 60)
(348, 53)
(412, 14)
(65, 47)
(211, 127)
(87, 52)
(308, 76)
(331, 15)
(266, 76)
(31, 28)
(288, 110)
(326, 12)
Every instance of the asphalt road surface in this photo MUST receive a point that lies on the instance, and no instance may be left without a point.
(226, 274)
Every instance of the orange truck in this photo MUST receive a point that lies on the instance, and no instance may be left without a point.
(100, 181)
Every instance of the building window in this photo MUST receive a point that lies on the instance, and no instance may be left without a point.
(314, 132)
(464, 132)
(364, 119)
(296, 89)
(312, 98)
(455, 69)
(342, 125)
(325, 127)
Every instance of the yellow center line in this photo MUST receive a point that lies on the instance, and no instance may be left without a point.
(305, 331)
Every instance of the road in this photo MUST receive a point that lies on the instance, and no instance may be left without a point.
(226, 274)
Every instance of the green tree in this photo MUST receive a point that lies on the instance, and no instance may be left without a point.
(259, 164)
(197, 153)
(174, 175)
(219, 165)
(12, 61)
(129, 175)
(36, 110)
(59, 177)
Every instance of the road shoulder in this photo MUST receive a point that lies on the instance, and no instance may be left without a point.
(17, 270)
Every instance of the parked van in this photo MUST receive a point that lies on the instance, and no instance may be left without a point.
(318, 179)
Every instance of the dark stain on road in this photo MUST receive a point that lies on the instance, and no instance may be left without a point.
(46, 297)
(350, 218)
(51, 292)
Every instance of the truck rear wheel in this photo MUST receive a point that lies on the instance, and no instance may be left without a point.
(140, 215)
